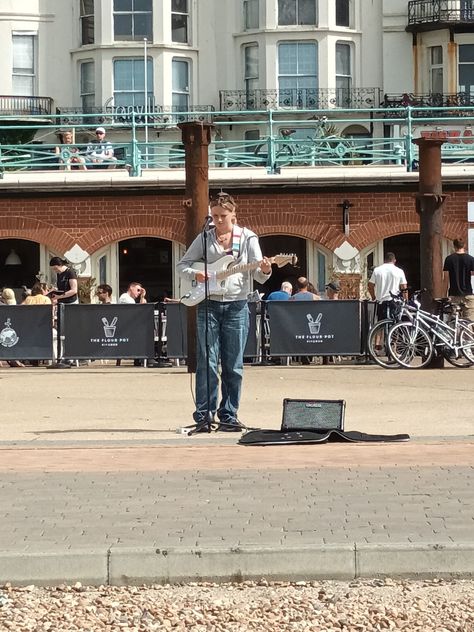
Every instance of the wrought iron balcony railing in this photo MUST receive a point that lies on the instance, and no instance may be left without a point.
(431, 12)
(435, 100)
(25, 106)
(118, 115)
(300, 99)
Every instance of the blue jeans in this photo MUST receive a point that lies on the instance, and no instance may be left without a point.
(228, 327)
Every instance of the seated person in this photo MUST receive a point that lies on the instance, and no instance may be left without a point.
(100, 151)
(69, 153)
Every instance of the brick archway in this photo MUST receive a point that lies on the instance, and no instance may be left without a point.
(133, 226)
(297, 225)
(397, 224)
(31, 229)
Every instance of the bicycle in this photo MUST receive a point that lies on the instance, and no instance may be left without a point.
(377, 341)
(412, 344)
(325, 147)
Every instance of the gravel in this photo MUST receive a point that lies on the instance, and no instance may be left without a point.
(359, 606)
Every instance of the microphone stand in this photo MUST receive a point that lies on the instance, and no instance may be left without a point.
(207, 423)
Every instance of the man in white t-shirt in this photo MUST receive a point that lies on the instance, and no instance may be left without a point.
(386, 280)
(134, 292)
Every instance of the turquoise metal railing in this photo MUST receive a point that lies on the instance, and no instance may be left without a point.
(272, 139)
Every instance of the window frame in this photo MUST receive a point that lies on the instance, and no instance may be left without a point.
(133, 13)
(248, 14)
(297, 4)
(465, 63)
(150, 90)
(346, 9)
(343, 76)
(248, 78)
(436, 66)
(186, 91)
(298, 76)
(87, 21)
(84, 94)
(188, 22)
(32, 72)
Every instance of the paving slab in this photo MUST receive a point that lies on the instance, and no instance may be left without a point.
(96, 486)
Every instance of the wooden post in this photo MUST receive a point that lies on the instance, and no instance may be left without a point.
(429, 205)
(196, 138)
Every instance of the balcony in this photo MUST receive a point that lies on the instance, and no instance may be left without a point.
(299, 99)
(431, 15)
(25, 106)
(431, 100)
(128, 115)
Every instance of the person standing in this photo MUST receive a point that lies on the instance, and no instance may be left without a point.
(332, 290)
(283, 294)
(458, 269)
(225, 317)
(387, 279)
(66, 282)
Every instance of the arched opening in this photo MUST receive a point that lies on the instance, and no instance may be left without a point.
(275, 244)
(147, 260)
(19, 262)
(407, 251)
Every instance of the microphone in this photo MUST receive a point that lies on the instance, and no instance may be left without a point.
(208, 223)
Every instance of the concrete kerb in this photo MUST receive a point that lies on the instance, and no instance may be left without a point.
(121, 565)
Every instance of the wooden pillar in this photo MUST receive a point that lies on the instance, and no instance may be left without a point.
(430, 201)
(196, 138)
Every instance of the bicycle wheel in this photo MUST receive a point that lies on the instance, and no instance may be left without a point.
(410, 345)
(377, 344)
(467, 340)
(284, 155)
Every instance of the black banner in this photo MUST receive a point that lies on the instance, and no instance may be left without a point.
(26, 332)
(314, 327)
(108, 331)
(176, 331)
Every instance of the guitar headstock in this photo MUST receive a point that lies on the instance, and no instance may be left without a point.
(284, 259)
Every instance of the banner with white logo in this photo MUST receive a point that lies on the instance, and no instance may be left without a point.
(108, 331)
(26, 332)
(176, 331)
(314, 327)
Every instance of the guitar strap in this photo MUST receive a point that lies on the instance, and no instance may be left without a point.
(236, 240)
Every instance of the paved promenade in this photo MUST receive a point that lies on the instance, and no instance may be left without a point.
(97, 487)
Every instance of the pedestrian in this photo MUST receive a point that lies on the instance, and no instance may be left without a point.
(100, 152)
(66, 282)
(223, 319)
(386, 280)
(332, 290)
(458, 269)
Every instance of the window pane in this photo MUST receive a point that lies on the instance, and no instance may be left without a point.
(306, 11)
(123, 75)
(123, 5)
(466, 78)
(287, 58)
(87, 77)
(251, 11)
(181, 6)
(466, 53)
(343, 59)
(179, 28)
(23, 60)
(436, 55)
(437, 80)
(286, 12)
(306, 59)
(142, 5)
(251, 62)
(180, 101)
(180, 75)
(23, 86)
(342, 13)
(142, 26)
(123, 26)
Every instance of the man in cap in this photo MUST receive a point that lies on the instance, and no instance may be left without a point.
(332, 290)
(100, 151)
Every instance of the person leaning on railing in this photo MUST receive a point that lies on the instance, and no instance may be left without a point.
(69, 154)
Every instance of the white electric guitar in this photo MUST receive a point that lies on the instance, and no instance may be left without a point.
(195, 292)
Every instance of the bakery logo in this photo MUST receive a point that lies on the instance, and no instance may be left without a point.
(8, 336)
(314, 324)
(110, 338)
(109, 328)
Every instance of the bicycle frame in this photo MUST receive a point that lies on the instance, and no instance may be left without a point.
(441, 333)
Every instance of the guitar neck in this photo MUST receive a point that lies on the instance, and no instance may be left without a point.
(241, 267)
